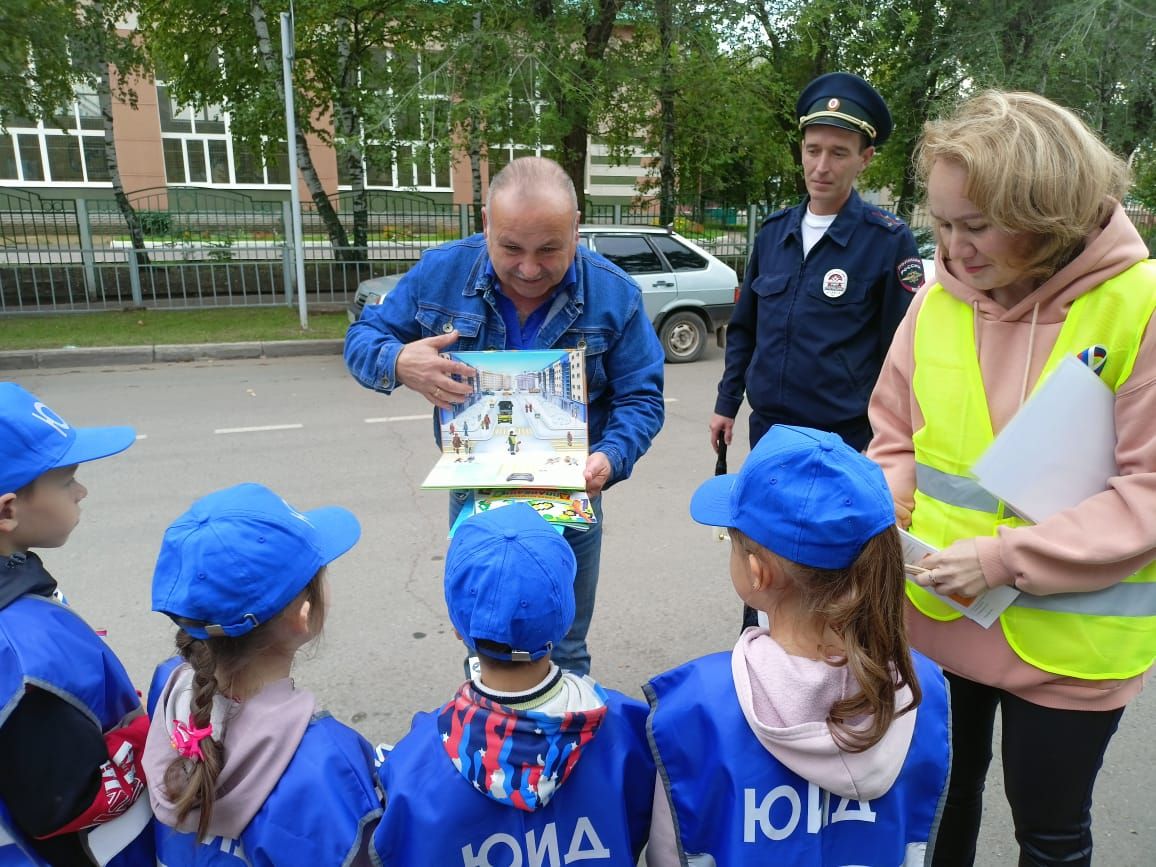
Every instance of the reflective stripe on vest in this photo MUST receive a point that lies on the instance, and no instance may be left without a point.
(1106, 634)
(106, 841)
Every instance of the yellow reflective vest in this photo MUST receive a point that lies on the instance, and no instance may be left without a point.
(1102, 635)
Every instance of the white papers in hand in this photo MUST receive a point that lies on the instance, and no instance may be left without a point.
(984, 609)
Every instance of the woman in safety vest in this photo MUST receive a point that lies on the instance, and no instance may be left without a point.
(1036, 263)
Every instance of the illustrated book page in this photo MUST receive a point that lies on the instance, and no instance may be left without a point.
(523, 426)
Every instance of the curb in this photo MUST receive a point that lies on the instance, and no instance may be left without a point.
(32, 359)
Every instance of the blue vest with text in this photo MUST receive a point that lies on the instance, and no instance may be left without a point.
(742, 806)
(46, 645)
(317, 814)
(600, 815)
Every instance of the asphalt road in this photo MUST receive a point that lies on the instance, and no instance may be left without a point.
(306, 429)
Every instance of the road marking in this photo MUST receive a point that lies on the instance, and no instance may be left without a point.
(259, 429)
(142, 436)
(425, 417)
(670, 400)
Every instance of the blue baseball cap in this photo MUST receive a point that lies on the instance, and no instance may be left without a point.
(846, 101)
(510, 580)
(34, 439)
(804, 494)
(237, 557)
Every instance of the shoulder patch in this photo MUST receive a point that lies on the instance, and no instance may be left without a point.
(910, 273)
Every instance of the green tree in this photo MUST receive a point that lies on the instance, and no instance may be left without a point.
(572, 42)
(36, 76)
(50, 47)
(237, 65)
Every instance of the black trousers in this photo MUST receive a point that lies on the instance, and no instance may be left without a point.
(1050, 762)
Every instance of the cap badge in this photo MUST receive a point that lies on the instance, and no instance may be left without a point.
(832, 104)
(834, 282)
(50, 418)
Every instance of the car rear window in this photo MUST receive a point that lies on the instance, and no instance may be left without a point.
(631, 253)
(680, 258)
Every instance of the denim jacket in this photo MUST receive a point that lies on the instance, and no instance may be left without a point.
(451, 287)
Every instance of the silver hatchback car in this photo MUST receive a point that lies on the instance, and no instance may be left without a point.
(688, 294)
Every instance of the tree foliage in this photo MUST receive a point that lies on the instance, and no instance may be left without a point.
(708, 85)
(36, 76)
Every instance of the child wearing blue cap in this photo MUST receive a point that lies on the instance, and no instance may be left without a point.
(242, 767)
(527, 762)
(823, 740)
(72, 728)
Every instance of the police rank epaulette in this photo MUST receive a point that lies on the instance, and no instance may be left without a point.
(777, 215)
(883, 218)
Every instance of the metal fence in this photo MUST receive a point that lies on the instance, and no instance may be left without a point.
(206, 248)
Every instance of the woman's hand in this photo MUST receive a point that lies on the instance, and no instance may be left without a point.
(902, 515)
(954, 571)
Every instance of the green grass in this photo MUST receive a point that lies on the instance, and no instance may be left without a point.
(148, 327)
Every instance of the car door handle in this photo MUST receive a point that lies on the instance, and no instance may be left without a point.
(663, 283)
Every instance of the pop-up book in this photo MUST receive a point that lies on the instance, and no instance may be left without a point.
(523, 426)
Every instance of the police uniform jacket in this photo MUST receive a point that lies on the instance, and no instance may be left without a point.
(808, 335)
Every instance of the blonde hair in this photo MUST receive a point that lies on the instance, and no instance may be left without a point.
(1032, 167)
(192, 785)
(863, 605)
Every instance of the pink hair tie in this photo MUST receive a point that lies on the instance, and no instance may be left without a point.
(187, 739)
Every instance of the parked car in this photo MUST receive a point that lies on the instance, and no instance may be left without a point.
(687, 292)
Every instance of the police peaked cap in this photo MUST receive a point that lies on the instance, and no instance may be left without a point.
(845, 100)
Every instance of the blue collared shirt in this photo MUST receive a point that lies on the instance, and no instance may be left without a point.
(521, 335)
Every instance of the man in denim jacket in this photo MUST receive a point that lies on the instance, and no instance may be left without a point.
(525, 283)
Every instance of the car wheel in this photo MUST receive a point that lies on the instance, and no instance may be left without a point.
(683, 337)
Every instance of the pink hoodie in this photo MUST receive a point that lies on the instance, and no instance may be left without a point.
(1095, 545)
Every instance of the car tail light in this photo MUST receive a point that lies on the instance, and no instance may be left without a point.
(738, 289)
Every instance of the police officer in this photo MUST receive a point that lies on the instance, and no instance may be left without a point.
(826, 285)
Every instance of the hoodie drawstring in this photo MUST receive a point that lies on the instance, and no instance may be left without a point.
(1028, 359)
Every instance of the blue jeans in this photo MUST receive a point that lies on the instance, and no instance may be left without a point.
(571, 652)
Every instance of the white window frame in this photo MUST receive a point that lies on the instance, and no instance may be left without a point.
(415, 145)
(216, 114)
(42, 131)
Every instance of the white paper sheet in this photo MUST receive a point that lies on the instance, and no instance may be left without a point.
(1059, 449)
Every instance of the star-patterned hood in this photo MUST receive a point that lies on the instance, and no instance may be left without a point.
(519, 756)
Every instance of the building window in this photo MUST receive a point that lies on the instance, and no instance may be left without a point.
(523, 120)
(199, 149)
(68, 149)
(411, 153)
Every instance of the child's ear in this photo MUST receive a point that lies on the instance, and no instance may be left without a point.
(297, 617)
(7, 513)
(764, 572)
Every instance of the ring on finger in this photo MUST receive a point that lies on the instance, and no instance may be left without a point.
(437, 391)
(932, 578)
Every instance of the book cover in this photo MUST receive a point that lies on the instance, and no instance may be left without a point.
(560, 509)
(523, 426)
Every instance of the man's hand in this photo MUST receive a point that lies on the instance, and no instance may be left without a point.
(597, 473)
(422, 368)
(720, 424)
